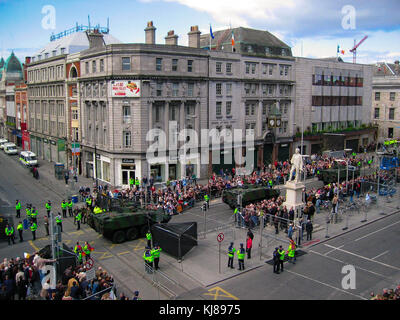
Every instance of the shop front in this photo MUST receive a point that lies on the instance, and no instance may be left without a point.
(128, 171)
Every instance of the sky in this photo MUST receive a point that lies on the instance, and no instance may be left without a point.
(313, 28)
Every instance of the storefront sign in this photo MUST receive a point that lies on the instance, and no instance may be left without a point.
(128, 160)
(129, 89)
(53, 142)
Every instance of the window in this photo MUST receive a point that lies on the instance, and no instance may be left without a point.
(391, 114)
(376, 114)
(62, 50)
(281, 70)
(283, 52)
(253, 68)
(159, 89)
(74, 114)
(175, 89)
(158, 64)
(126, 112)
(126, 139)
(126, 64)
(247, 68)
(190, 65)
(392, 96)
(218, 89)
(101, 65)
(46, 56)
(190, 89)
(247, 110)
(54, 53)
(229, 89)
(229, 68)
(86, 67)
(94, 66)
(390, 132)
(218, 109)
(271, 69)
(218, 67)
(377, 96)
(249, 48)
(247, 88)
(174, 64)
(228, 108)
(253, 109)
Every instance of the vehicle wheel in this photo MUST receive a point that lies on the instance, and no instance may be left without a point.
(118, 237)
(132, 233)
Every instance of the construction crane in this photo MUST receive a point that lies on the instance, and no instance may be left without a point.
(354, 50)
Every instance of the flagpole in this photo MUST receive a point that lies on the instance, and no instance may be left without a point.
(210, 36)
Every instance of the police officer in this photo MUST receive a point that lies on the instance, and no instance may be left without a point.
(88, 201)
(291, 252)
(87, 249)
(276, 257)
(240, 253)
(156, 255)
(77, 248)
(64, 206)
(207, 200)
(281, 253)
(78, 220)
(10, 234)
(148, 237)
(48, 208)
(231, 252)
(59, 222)
(28, 212)
(148, 258)
(18, 208)
(20, 228)
(70, 204)
(34, 215)
(33, 229)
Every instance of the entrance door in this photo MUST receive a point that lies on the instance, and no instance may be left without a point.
(126, 175)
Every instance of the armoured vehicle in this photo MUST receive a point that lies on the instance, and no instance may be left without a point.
(331, 175)
(126, 221)
(250, 193)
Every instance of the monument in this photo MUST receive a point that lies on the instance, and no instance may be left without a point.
(294, 188)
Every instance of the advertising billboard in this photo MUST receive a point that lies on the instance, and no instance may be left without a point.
(129, 89)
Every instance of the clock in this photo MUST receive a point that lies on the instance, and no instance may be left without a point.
(278, 123)
(271, 123)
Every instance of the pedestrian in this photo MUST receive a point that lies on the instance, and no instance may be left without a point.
(136, 295)
(148, 237)
(34, 214)
(87, 249)
(276, 257)
(250, 234)
(64, 206)
(59, 222)
(290, 230)
(78, 218)
(291, 252)
(48, 208)
(70, 205)
(231, 252)
(281, 253)
(249, 245)
(309, 229)
(10, 234)
(276, 223)
(156, 255)
(20, 229)
(66, 177)
(18, 208)
(148, 259)
(207, 200)
(33, 229)
(240, 254)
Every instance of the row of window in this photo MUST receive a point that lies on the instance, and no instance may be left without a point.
(335, 125)
(96, 137)
(47, 55)
(228, 67)
(268, 89)
(47, 91)
(251, 126)
(175, 90)
(324, 101)
(93, 65)
(342, 81)
(97, 112)
(126, 65)
(284, 106)
(391, 113)
(94, 90)
(392, 96)
(51, 73)
(268, 68)
(47, 107)
(51, 127)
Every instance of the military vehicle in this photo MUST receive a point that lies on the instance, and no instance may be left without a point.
(331, 175)
(124, 221)
(250, 194)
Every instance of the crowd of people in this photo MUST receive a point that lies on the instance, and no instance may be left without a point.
(387, 294)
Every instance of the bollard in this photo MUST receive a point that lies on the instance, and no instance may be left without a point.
(347, 222)
(365, 216)
(327, 229)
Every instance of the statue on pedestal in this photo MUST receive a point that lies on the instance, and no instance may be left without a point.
(297, 165)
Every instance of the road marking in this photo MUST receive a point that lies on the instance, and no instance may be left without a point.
(33, 246)
(377, 231)
(104, 255)
(125, 252)
(139, 245)
(380, 254)
(325, 254)
(325, 284)
(365, 258)
(217, 293)
(77, 233)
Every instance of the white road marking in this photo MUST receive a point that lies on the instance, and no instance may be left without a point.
(326, 284)
(365, 258)
(380, 254)
(325, 254)
(377, 231)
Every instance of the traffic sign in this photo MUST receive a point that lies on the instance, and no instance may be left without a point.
(352, 168)
(89, 264)
(220, 237)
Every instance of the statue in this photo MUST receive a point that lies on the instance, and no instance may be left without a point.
(297, 164)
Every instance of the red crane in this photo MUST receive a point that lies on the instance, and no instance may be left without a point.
(354, 50)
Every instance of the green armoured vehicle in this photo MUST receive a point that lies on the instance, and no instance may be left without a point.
(128, 222)
(331, 175)
(250, 194)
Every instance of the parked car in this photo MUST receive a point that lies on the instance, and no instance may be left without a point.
(10, 148)
(28, 158)
(2, 142)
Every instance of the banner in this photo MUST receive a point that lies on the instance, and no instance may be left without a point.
(129, 89)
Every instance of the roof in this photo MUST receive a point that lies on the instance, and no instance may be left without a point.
(72, 43)
(11, 69)
(383, 69)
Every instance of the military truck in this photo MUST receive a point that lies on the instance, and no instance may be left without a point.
(124, 220)
(250, 194)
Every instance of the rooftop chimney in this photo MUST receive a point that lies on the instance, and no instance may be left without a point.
(171, 39)
(96, 39)
(194, 37)
(150, 33)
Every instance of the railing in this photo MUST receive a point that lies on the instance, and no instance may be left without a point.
(77, 29)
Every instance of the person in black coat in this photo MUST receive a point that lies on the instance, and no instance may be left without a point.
(276, 261)
(309, 229)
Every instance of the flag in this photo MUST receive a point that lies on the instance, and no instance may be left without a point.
(211, 33)
(342, 52)
(338, 49)
(233, 39)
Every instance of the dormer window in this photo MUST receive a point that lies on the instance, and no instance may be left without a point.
(54, 53)
(62, 50)
(249, 49)
(267, 50)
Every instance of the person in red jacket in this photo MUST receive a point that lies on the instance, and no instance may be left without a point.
(249, 245)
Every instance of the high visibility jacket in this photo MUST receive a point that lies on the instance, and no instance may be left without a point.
(147, 256)
(281, 254)
(291, 250)
(148, 236)
(131, 181)
(58, 219)
(77, 248)
(34, 213)
(97, 210)
(236, 210)
(33, 227)
(89, 201)
(231, 252)
(86, 249)
(78, 217)
(9, 231)
(20, 227)
(64, 205)
(18, 206)
(70, 204)
(28, 212)
(48, 206)
(156, 252)
(240, 254)
(206, 197)
(80, 256)
(137, 182)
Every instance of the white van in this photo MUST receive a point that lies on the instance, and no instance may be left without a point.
(2, 142)
(10, 148)
(28, 158)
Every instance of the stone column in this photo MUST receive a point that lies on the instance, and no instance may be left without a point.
(166, 124)
(258, 132)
